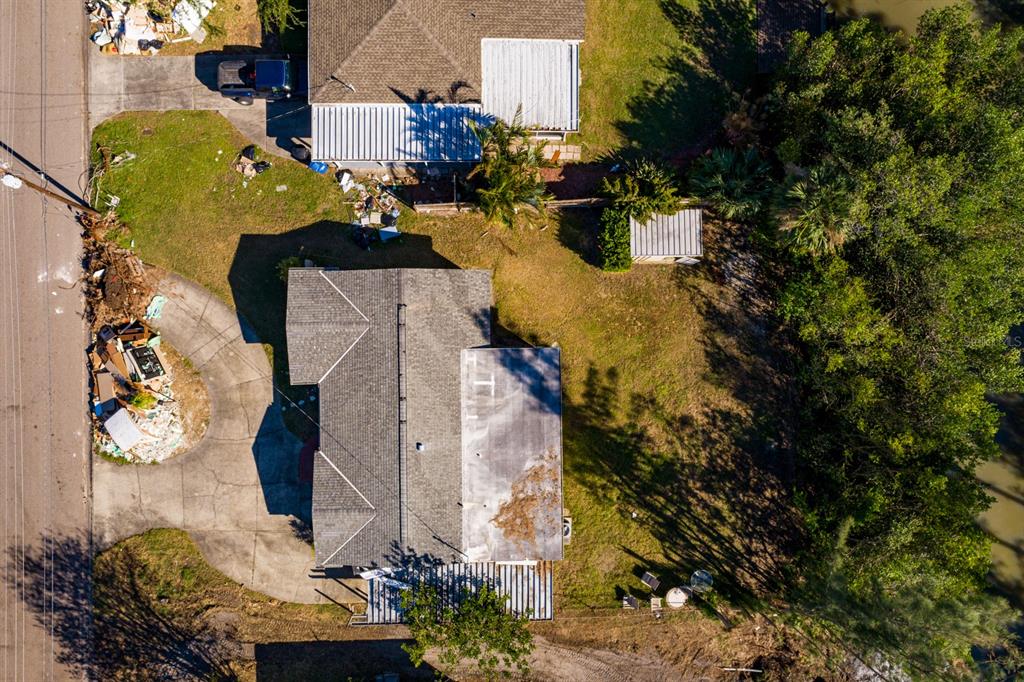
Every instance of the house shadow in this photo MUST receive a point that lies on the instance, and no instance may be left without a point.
(330, 661)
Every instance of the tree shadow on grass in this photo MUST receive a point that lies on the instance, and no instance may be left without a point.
(107, 620)
(678, 115)
(711, 484)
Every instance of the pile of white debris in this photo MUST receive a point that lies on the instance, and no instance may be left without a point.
(137, 28)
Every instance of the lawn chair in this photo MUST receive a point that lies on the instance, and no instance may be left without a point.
(630, 602)
(651, 581)
(656, 607)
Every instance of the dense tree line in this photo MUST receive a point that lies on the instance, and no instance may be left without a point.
(899, 214)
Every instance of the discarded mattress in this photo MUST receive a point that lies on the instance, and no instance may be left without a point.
(123, 430)
(189, 15)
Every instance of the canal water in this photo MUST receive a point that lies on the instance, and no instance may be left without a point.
(1004, 520)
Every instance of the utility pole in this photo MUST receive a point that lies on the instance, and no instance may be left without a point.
(19, 181)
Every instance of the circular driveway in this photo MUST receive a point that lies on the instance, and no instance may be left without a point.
(237, 493)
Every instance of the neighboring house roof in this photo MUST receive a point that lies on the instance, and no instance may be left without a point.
(528, 589)
(395, 132)
(679, 235)
(391, 51)
(777, 21)
(385, 347)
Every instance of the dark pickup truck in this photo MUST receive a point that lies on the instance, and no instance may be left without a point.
(244, 81)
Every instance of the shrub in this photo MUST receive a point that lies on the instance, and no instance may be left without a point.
(143, 401)
(286, 264)
(277, 16)
(614, 240)
(644, 189)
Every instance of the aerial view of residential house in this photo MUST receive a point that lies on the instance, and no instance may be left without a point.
(440, 456)
(395, 81)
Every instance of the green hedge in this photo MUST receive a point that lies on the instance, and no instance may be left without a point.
(614, 240)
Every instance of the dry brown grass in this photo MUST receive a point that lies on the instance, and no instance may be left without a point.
(191, 395)
(240, 25)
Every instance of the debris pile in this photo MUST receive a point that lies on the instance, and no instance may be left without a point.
(137, 28)
(377, 209)
(134, 411)
(117, 286)
(247, 164)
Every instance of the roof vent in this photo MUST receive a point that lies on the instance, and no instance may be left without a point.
(421, 447)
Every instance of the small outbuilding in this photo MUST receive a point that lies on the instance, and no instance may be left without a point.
(676, 238)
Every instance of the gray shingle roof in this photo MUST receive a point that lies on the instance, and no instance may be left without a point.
(375, 497)
(403, 50)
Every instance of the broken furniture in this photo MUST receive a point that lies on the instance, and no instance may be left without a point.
(630, 602)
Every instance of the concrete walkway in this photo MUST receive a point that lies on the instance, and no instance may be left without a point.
(237, 493)
(118, 83)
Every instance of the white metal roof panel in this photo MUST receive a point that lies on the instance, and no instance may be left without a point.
(541, 75)
(395, 132)
(528, 588)
(678, 235)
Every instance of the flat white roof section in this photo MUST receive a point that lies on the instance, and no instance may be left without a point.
(541, 75)
(394, 132)
(511, 454)
(668, 236)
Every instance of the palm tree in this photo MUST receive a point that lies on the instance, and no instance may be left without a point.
(735, 184)
(510, 163)
(817, 217)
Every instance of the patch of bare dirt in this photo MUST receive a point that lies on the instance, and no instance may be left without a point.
(190, 393)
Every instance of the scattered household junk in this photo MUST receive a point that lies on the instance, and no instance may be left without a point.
(247, 165)
(376, 208)
(134, 410)
(120, 27)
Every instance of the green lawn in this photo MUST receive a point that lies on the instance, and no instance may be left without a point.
(659, 75)
(649, 428)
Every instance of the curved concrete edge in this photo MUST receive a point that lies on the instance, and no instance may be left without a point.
(232, 493)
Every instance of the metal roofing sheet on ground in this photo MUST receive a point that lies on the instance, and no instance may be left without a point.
(678, 235)
(394, 132)
(528, 588)
(543, 76)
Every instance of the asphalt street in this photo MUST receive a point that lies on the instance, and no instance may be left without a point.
(43, 427)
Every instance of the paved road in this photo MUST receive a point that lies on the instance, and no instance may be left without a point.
(170, 83)
(43, 430)
(237, 492)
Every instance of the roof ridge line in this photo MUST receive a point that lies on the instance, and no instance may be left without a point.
(359, 47)
(459, 66)
(342, 294)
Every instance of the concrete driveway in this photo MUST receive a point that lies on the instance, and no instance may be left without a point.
(118, 83)
(237, 493)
